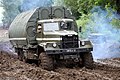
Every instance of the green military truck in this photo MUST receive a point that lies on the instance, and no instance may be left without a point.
(49, 34)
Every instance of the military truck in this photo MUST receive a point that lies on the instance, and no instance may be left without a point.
(49, 34)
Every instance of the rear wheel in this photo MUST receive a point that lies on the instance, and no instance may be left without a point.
(46, 61)
(24, 59)
(88, 60)
(20, 54)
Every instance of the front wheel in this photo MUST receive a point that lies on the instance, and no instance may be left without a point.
(46, 61)
(88, 60)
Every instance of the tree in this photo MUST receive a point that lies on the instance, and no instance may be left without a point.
(13, 7)
(84, 6)
(10, 11)
(92, 10)
(118, 5)
(73, 5)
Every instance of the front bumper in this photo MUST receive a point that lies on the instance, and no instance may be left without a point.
(70, 51)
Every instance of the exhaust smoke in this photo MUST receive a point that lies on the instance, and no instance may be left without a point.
(5, 45)
(104, 36)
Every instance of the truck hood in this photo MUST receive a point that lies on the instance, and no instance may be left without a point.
(65, 32)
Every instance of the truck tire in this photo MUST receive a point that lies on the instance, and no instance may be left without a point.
(88, 60)
(20, 56)
(46, 61)
(24, 59)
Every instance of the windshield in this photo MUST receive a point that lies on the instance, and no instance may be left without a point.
(51, 26)
(55, 26)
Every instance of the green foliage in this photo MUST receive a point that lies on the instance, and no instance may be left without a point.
(84, 6)
(116, 23)
(106, 3)
(73, 5)
(84, 20)
(82, 11)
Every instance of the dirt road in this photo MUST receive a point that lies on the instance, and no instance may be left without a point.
(13, 69)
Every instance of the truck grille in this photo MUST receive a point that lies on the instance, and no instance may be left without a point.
(69, 41)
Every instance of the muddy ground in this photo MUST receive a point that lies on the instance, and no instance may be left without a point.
(13, 69)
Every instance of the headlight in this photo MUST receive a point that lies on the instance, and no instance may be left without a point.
(82, 43)
(54, 45)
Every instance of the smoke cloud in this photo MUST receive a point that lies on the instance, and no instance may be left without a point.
(29, 4)
(7, 47)
(105, 37)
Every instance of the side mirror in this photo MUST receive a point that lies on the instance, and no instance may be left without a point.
(80, 29)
